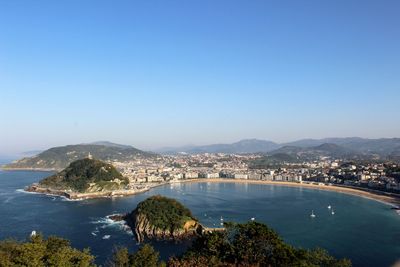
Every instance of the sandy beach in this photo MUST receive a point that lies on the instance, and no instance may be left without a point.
(387, 198)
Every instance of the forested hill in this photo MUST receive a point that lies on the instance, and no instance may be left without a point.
(58, 158)
(162, 217)
(86, 175)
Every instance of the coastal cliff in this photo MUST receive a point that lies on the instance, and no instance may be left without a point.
(145, 229)
(160, 217)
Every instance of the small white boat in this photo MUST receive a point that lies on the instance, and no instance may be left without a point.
(329, 207)
(333, 212)
(253, 219)
(33, 233)
(312, 214)
(222, 224)
(106, 237)
(222, 218)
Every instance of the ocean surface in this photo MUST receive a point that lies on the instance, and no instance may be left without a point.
(366, 231)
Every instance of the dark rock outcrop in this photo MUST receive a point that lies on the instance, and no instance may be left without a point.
(159, 217)
(143, 228)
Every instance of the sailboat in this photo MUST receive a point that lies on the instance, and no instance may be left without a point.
(312, 214)
(333, 212)
(329, 207)
(222, 218)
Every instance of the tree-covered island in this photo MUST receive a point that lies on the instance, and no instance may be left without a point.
(160, 217)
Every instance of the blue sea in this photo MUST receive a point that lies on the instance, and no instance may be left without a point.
(366, 231)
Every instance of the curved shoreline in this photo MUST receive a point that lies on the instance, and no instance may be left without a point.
(393, 201)
(386, 198)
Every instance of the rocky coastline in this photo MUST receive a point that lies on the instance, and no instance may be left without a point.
(161, 218)
(143, 229)
(35, 188)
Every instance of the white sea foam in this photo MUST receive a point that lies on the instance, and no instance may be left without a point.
(26, 192)
(63, 198)
(106, 222)
(53, 196)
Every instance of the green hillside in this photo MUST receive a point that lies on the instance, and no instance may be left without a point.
(58, 158)
(86, 175)
(274, 160)
(164, 213)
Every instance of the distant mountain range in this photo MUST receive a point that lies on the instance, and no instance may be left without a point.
(243, 146)
(384, 147)
(315, 152)
(58, 158)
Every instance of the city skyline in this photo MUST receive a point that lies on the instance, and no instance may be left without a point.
(173, 74)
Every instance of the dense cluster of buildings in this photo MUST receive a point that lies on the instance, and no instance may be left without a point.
(381, 176)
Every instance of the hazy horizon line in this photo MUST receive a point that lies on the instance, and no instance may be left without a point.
(159, 148)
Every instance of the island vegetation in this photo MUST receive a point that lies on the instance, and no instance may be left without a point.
(163, 212)
(86, 175)
(162, 217)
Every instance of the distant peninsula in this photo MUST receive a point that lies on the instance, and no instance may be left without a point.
(159, 217)
(58, 158)
(85, 178)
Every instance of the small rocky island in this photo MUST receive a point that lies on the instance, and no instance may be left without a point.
(85, 178)
(159, 217)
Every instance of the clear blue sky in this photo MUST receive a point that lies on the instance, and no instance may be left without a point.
(161, 73)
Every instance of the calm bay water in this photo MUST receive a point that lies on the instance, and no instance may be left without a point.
(366, 231)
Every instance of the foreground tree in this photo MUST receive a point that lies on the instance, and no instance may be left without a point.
(38, 252)
(146, 256)
(251, 244)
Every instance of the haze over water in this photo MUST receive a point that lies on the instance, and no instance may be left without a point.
(363, 230)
